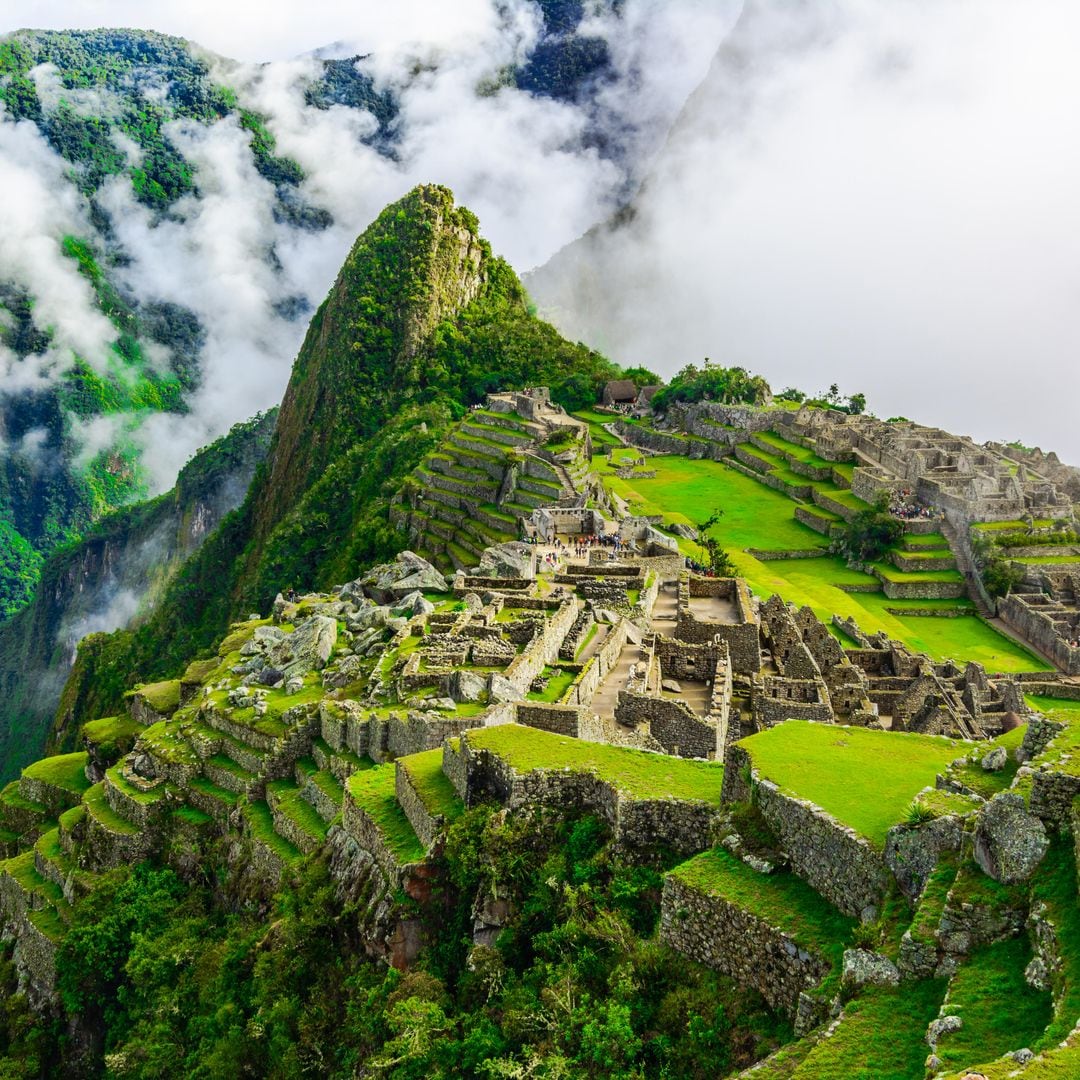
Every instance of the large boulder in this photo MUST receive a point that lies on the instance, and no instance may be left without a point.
(862, 968)
(512, 560)
(307, 648)
(1010, 842)
(467, 686)
(501, 688)
(996, 760)
(912, 852)
(407, 573)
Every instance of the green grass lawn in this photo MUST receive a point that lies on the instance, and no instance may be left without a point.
(373, 791)
(864, 778)
(688, 490)
(559, 680)
(879, 1038)
(66, 771)
(639, 774)
(432, 785)
(1000, 1011)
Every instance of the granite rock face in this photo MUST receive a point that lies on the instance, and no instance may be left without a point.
(511, 560)
(406, 574)
(1009, 841)
(862, 967)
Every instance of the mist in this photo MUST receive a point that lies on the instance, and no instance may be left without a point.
(528, 167)
(877, 195)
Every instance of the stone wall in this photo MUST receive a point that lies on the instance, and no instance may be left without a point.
(741, 636)
(728, 939)
(558, 719)
(827, 855)
(1038, 628)
(638, 825)
(673, 724)
(596, 669)
(544, 649)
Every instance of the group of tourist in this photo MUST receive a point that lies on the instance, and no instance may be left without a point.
(905, 504)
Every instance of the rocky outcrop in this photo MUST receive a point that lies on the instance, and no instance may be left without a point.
(1010, 842)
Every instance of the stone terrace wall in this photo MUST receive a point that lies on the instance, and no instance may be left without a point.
(558, 719)
(544, 648)
(637, 824)
(827, 855)
(596, 669)
(1038, 628)
(728, 939)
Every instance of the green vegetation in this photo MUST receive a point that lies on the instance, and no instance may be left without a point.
(713, 383)
(864, 778)
(999, 1010)
(782, 900)
(869, 534)
(881, 1036)
(634, 772)
(373, 791)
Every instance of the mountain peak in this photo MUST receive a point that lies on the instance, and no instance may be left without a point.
(419, 262)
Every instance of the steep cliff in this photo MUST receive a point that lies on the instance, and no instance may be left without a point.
(107, 579)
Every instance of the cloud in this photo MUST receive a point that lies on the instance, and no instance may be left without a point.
(877, 195)
(39, 207)
(527, 166)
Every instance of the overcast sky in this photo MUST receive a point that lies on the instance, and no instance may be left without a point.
(882, 195)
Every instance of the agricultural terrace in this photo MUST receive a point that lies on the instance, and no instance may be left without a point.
(636, 773)
(687, 490)
(865, 778)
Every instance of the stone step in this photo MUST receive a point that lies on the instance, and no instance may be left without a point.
(211, 799)
(111, 840)
(227, 773)
(325, 793)
(295, 819)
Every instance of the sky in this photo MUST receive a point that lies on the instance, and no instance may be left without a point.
(878, 195)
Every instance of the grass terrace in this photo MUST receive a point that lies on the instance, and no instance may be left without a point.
(881, 1036)
(863, 777)
(636, 773)
(162, 697)
(782, 900)
(432, 785)
(112, 733)
(65, 771)
(687, 491)
(373, 791)
(261, 823)
(1000, 1011)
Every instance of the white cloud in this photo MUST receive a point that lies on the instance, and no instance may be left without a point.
(877, 195)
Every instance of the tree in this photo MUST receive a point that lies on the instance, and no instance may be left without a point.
(717, 560)
(869, 534)
(856, 404)
(642, 376)
(790, 393)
